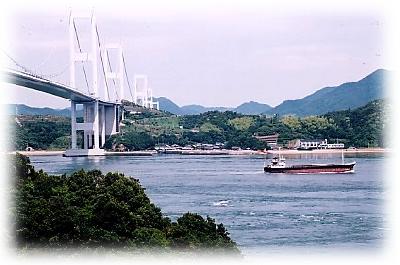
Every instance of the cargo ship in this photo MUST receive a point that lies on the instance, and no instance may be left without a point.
(278, 165)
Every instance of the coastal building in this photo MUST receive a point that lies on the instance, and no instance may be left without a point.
(271, 140)
(335, 146)
(309, 144)
(313, 144)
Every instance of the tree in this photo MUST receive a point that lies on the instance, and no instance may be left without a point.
(131, 140)
(193, 231)
(91, 209)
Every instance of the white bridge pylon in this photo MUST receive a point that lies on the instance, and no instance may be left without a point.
(101, 112)
(143, 94)
(116, 75)
(99, 120)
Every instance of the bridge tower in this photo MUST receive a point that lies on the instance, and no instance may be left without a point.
(143, 94)
(100, 118)
(114, 74)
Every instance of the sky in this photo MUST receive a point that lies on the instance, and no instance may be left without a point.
(211, 54)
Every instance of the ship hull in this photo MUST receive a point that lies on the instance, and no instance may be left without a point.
(313, 169)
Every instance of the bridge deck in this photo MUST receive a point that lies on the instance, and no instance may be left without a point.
(50, 87)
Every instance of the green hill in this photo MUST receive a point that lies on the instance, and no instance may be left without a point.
(169, 106)
(346, 96)
(360, 127)
(198, 109)
(252, 108)
(21, 109)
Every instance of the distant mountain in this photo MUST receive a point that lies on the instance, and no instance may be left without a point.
(167, 105)
(22, 109)
(193, 109)
(252, 108)
(346, 96)
(198, 109)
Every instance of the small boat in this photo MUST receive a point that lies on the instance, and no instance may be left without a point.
(278, 165)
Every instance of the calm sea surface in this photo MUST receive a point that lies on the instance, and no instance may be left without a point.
(262, 212)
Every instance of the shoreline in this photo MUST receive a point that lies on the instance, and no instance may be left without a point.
(330, 151)
(38, 153)
(220, 152)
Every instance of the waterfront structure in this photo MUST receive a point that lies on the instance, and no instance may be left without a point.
(143, 94)
(313, 144)
(101, 102)
(99, 120)
(271, 140)
(309, 144)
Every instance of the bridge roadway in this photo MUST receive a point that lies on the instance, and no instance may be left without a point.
(100, 119)
(50, 87)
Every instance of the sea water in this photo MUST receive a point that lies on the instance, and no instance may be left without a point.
(262, 212)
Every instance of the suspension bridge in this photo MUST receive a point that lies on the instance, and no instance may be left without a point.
(101, 98)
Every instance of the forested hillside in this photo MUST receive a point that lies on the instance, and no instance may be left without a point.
(361, 127)
(349, 95)
(41, 132)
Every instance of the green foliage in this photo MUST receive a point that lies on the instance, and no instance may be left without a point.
(62, 142)
(219, 119)
(170, 139)
(41, 132)
(209, 127)
(131, 140)
(349, 95)
(91, 209)
(204, 137)
(360, 127)
(193, 231)
(292, 122)
(245, 140)
(242, 123)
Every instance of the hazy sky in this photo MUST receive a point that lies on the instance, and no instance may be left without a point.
(210, 55)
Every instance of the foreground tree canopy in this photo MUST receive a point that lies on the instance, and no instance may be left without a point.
(90, 209)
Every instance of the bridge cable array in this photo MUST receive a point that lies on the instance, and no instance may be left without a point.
(102, 63)
(115, 85)
(83, 66)
(127, 79)
(19, 65)
(34, 73)
(49, 76)
(110, 66)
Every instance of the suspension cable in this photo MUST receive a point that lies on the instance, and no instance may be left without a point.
(27, 70)
(127, 78)
(115, 85)
(83, 66)
(102, 63)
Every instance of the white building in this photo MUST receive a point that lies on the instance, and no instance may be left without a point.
(318, 144)
(309, 144)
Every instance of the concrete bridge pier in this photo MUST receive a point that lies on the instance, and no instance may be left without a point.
(99, 122)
